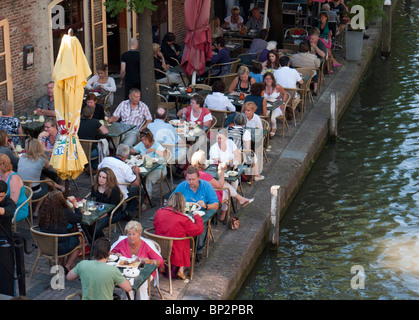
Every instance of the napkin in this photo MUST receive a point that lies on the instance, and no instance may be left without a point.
(142, 169)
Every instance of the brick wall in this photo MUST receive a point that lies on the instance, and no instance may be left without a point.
(28, 24)
(178, 19)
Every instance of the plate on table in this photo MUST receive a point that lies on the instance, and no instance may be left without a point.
(174, 122)
(232, 173)
(192, 206)
(200, 213)
(112, 258)
(87, 213)
(128, 263)
(92, 208)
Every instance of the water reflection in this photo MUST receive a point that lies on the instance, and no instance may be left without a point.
(360, 203)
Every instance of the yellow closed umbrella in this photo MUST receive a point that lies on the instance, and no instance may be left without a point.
(70, 76)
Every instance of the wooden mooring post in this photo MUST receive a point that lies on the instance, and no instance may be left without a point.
(386, 30)
(275, 215)
(333, 127)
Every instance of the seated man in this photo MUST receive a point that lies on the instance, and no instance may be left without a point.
(91, 129)
(285, 76)
(134, 112)
(259, 44)
(124, 174)
(217, 100)
(164, 132)
(98, 279)
(201, 192)
(99, 111)
(256, 21)
(222, 56)
(46, 104)
(316, 46)
(305, 59)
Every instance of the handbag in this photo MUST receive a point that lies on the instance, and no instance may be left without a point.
(235, 222)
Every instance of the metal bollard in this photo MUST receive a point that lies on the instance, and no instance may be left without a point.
(274, 227)
(333, 127)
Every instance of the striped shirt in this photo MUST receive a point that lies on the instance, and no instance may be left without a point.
(131, 116)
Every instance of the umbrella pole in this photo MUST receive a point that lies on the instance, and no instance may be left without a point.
(67, 187)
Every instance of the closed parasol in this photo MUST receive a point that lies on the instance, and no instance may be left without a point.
(70, 76)
(198, 39)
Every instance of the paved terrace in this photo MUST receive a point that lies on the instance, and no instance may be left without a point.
(233, 253)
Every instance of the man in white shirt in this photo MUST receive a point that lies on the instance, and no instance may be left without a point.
(124, 174)
(217, 100)
(285, 76)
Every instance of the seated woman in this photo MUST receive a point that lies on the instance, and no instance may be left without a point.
(243, 81)
(55, 217)
(196, 112)
(256, 95)
(105, 189)
(171, 221)
(133, 245)
(91, 101)
(8, 122)
(273, 60)
(30, 167)
(198, 161)
(8, 148)
(243, 139)
(253, 120)
(148, 146)
(102, 82)
(16, 189)
(326, 37)
(233, 21)
(274, 91)
(161, 64)
(170, 49)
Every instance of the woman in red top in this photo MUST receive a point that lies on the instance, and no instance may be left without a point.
(171, 221)
(196, 112)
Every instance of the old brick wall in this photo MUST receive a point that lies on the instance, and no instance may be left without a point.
(28, 24)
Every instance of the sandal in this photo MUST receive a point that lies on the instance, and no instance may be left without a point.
(180, 275)
(247, 203)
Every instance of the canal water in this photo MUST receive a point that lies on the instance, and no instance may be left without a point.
(359, 206)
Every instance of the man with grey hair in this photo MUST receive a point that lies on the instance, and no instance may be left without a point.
(46, 105)
(124, 174)
(131, 68)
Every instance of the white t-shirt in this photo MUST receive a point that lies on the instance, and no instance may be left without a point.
(255, 122)
(287, 77)
(123, 172)
(218, 101)
(217, 153)
(234, 26)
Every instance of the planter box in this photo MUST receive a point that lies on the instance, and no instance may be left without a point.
(354, 41)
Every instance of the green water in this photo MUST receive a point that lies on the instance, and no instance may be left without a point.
(359, 206)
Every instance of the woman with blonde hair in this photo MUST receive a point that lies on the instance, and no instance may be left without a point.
(30, 167)
(134, 245)
(105, 189)
(171, 221)
(242, 82)
(16, 189)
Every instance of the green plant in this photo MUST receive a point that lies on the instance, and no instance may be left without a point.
(117, 6)
(372, 9)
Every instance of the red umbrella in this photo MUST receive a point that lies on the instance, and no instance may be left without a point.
(198, 39)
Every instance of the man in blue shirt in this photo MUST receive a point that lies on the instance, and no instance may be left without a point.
(202, 193)
(166, 134)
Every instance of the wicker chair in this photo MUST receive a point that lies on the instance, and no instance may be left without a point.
(47, 244)
(306, 91)
(266, 131)
(137, 196)
(29, 219)
(29, 184)
(220, 115)
(87, 148)
(163, 176)
(166, 244)
(228, 201)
